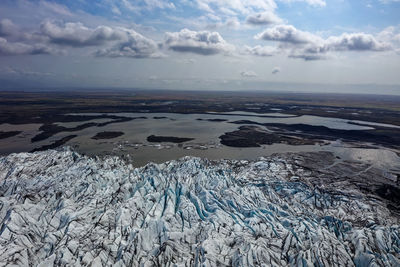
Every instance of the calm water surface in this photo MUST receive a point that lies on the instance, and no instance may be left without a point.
(205, 133)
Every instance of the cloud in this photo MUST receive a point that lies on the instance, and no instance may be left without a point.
(308, 46)
(235, 6)
(318, 3)
(287, 34)
(345, 42)
(77, 35)
(187, 61)
(229, 23)
(140, 5)
(7, 27)
(125, 42)
(390, 34)
(14, 33)
(136, 46)
(55, 8)
(265, 18)
(24, 72)
(116, 10)
(356, 42)
(151, 4)
(315, 44)
(248, 74)
(262, 51)
(201, 42)
(232, 23)
(389, 1)
(17, 48)
(223, 8)
(307, 57)
(129, 6)
(41, 9)
(15, 41)
(276, 70)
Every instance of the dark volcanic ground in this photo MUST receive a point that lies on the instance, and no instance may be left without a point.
(325, 171)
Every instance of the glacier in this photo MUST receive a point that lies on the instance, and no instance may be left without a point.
(60, 208)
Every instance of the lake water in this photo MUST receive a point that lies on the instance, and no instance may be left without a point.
(205, 133)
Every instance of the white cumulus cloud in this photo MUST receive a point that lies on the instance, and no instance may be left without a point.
(264, 18)
(197, 42)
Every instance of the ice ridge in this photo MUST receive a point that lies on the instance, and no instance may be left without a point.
(59, 208)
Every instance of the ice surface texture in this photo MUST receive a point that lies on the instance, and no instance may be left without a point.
(60, 208)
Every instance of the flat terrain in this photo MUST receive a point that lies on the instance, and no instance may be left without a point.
(164, 125)
(169, 139)
(107, 135)
(4, 135)
(47, 107)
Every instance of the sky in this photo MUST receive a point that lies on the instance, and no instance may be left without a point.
(295, 45)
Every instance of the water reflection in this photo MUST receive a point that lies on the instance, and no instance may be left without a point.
(206, 134)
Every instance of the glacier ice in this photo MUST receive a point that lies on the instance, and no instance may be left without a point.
(64, 209)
